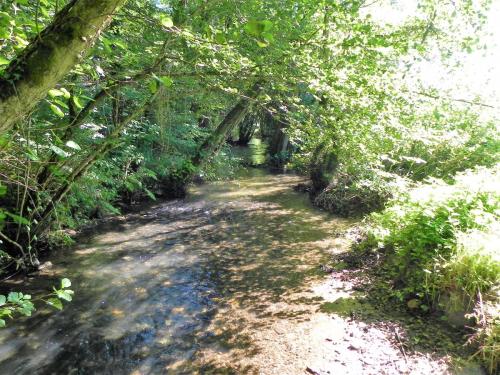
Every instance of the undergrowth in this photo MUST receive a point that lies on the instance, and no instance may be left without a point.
(441, 246)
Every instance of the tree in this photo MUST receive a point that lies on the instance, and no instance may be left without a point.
(50, 56)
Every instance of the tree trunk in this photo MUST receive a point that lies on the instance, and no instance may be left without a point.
(279, 140)
(324, 163)
(230, 121)
(247, 129)
(50, 56)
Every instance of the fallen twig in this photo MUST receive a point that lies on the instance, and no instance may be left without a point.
(401, 345)
(311, 371)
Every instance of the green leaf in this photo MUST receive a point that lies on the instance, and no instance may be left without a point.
(18, 219)
(32, 155)
(77, 103)
(3, 299)
(153, 86)
(5, 19)
(256, 28)
(268, 37)
(6, 22)
(73, 145)
(3, 61)
(55, 92)
(13, 297)
(65, 294)
(58, 151)
(150, 194)
(54, 108)
(166, 81)
(220, 38)
(66, 93)
(253, 28)
(262, 43)
(2, 323)
(65, 283)
(54, 302)
(4, 141)
(119, 44)
(3, 190)
(60, 103)
(166, 21)
(6, 311)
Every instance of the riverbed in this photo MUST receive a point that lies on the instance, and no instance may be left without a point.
(227, 281)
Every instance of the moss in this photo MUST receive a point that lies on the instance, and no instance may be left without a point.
(347, 306)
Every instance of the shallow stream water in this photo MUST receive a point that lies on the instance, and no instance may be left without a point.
(182, 287)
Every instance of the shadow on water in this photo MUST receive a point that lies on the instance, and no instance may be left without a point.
(162, 290)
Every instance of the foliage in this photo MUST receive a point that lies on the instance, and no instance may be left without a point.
(17, 303)
(349, 195)
(437, 143)
(487, 335)
(443, 236)
(124, 124)
(443, 141)
(440, 242)
(224, 165)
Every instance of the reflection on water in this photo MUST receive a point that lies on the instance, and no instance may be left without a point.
(170, 289)
(254, 154)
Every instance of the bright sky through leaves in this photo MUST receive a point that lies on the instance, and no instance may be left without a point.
(479, 73)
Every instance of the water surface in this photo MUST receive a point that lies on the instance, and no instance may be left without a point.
(174, 288)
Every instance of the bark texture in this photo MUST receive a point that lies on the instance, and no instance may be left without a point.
(50, 56)
(230, 121)
(247, 129)
(324, 163)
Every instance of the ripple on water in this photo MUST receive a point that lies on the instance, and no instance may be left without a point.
(180, 287)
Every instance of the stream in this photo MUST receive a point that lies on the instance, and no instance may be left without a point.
(226, 281)
(159, 290)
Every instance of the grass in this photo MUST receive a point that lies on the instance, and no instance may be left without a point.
(440, 242)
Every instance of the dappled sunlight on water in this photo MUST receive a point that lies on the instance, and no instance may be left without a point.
(180, 288)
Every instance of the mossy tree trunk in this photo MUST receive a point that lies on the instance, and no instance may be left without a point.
(247, 129)
(50, 56)
(233, 118)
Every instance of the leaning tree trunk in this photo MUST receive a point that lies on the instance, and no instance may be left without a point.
(247, 129)
(230, 121)
(279, 141)
(50, 56)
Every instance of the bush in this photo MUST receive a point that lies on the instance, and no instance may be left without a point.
(443, 143)
(350, 195)
(436, 142)
(441, 240)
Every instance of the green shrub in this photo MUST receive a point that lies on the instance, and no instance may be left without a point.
(350, 195)
(444, 142)
(441, 240)
(429, 229)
